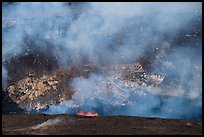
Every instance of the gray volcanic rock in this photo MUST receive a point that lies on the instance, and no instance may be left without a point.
(38, 93)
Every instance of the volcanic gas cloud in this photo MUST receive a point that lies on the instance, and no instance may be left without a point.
(135, 59)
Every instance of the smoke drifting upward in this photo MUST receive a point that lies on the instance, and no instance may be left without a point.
(93, 96)
(165, 38)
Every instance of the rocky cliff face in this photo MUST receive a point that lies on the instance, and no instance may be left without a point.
(37, 93)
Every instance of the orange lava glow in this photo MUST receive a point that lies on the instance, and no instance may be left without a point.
(90, 114)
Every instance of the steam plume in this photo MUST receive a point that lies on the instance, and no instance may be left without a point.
(166, 35)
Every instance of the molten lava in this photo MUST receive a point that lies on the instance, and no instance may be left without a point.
(90, 114)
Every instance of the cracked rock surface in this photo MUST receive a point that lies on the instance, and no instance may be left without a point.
(37, 93)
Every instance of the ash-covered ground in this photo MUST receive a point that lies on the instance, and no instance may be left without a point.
(39, 124)
(143, 59)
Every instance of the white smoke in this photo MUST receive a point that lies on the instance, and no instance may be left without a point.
(49, 122)
(93, 32)
(111, 33)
